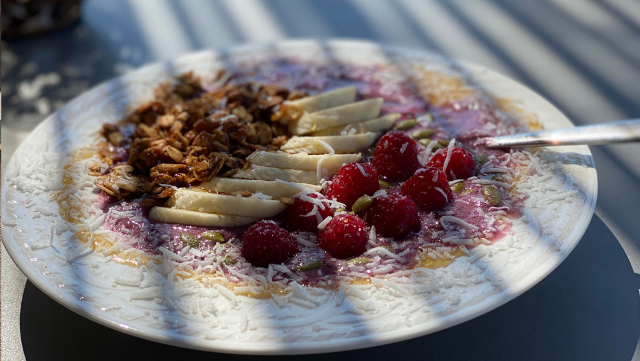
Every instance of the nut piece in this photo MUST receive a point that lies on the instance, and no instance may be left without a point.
(384, 184)
(287, 200)
(173, 153)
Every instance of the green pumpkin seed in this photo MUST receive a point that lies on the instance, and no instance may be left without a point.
(361, 204)
(497, 177)
(213, 236)
(481, 158)
(406, 124)
(492, 195)
(458, 187)
(443, 142)
(228, 261)
(388, 248)
(358, 261)
(427, 117)
(190, 240)
(425, 143)
(384, 184)
(466, 191)
(422, 133)
(308, 266)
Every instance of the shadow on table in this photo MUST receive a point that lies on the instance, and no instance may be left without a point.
(585, 310)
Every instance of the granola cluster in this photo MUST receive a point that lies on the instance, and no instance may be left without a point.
(187, 135)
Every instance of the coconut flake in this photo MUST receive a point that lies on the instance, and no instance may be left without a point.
(449, 152)
(457, 221)
(446, 199)
(326, 221)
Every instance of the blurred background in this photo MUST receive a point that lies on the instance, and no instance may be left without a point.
(582, 55)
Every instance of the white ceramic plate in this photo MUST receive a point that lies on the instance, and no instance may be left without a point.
(557, 214)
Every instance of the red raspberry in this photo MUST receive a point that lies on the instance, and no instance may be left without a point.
(345, 236)
(394, 216)
(265, 242)
(461, 163)
(296, 219)
(396, 156)
(353, 181)
(426, 188)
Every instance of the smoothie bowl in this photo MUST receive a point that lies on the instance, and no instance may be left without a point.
(294, 198)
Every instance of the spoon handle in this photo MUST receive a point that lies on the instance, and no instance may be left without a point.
(615, 132)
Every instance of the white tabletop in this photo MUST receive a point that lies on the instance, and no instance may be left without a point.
(583, 55)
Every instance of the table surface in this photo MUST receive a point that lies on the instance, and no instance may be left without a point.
(583, 55)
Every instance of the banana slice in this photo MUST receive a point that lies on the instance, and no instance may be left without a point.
(172, 215)
(341, 144)
(225, 204)
(334, 98)
(373, 125)
(270, 188)
(301, 161)
(336, 117)
(271, 174)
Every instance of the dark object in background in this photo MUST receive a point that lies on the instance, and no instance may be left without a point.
(23, 18)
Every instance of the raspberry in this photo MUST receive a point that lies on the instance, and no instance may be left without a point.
(265, 242)
(296, 218)
(429, 189)
(461, 165)
(353, 181)
(344, 236)
(396, 156)
(394, 216)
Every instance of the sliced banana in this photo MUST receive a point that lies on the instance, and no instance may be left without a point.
(373, 125)
(269, 188)
(225, 204)
(271, 174)
(341, 144)
(181, 216)
(296, 108)
(336, 117)
(302, 161)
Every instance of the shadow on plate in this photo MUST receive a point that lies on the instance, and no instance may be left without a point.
(587, 309)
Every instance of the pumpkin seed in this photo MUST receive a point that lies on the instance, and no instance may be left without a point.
(424, 142)
(362, 203)
(308, 266)
(228, 261)
(389, 248)
(213, 236)
(384, 184)
(466, 191)
(358, 261)
(190, 240)
(406, 124)
(492, 195)
(422, 133)
(481, 158)
(497, 177)
(443, 142)
(428, 117)
(458, 187)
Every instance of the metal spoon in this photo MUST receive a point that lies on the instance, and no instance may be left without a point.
(617, 132)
